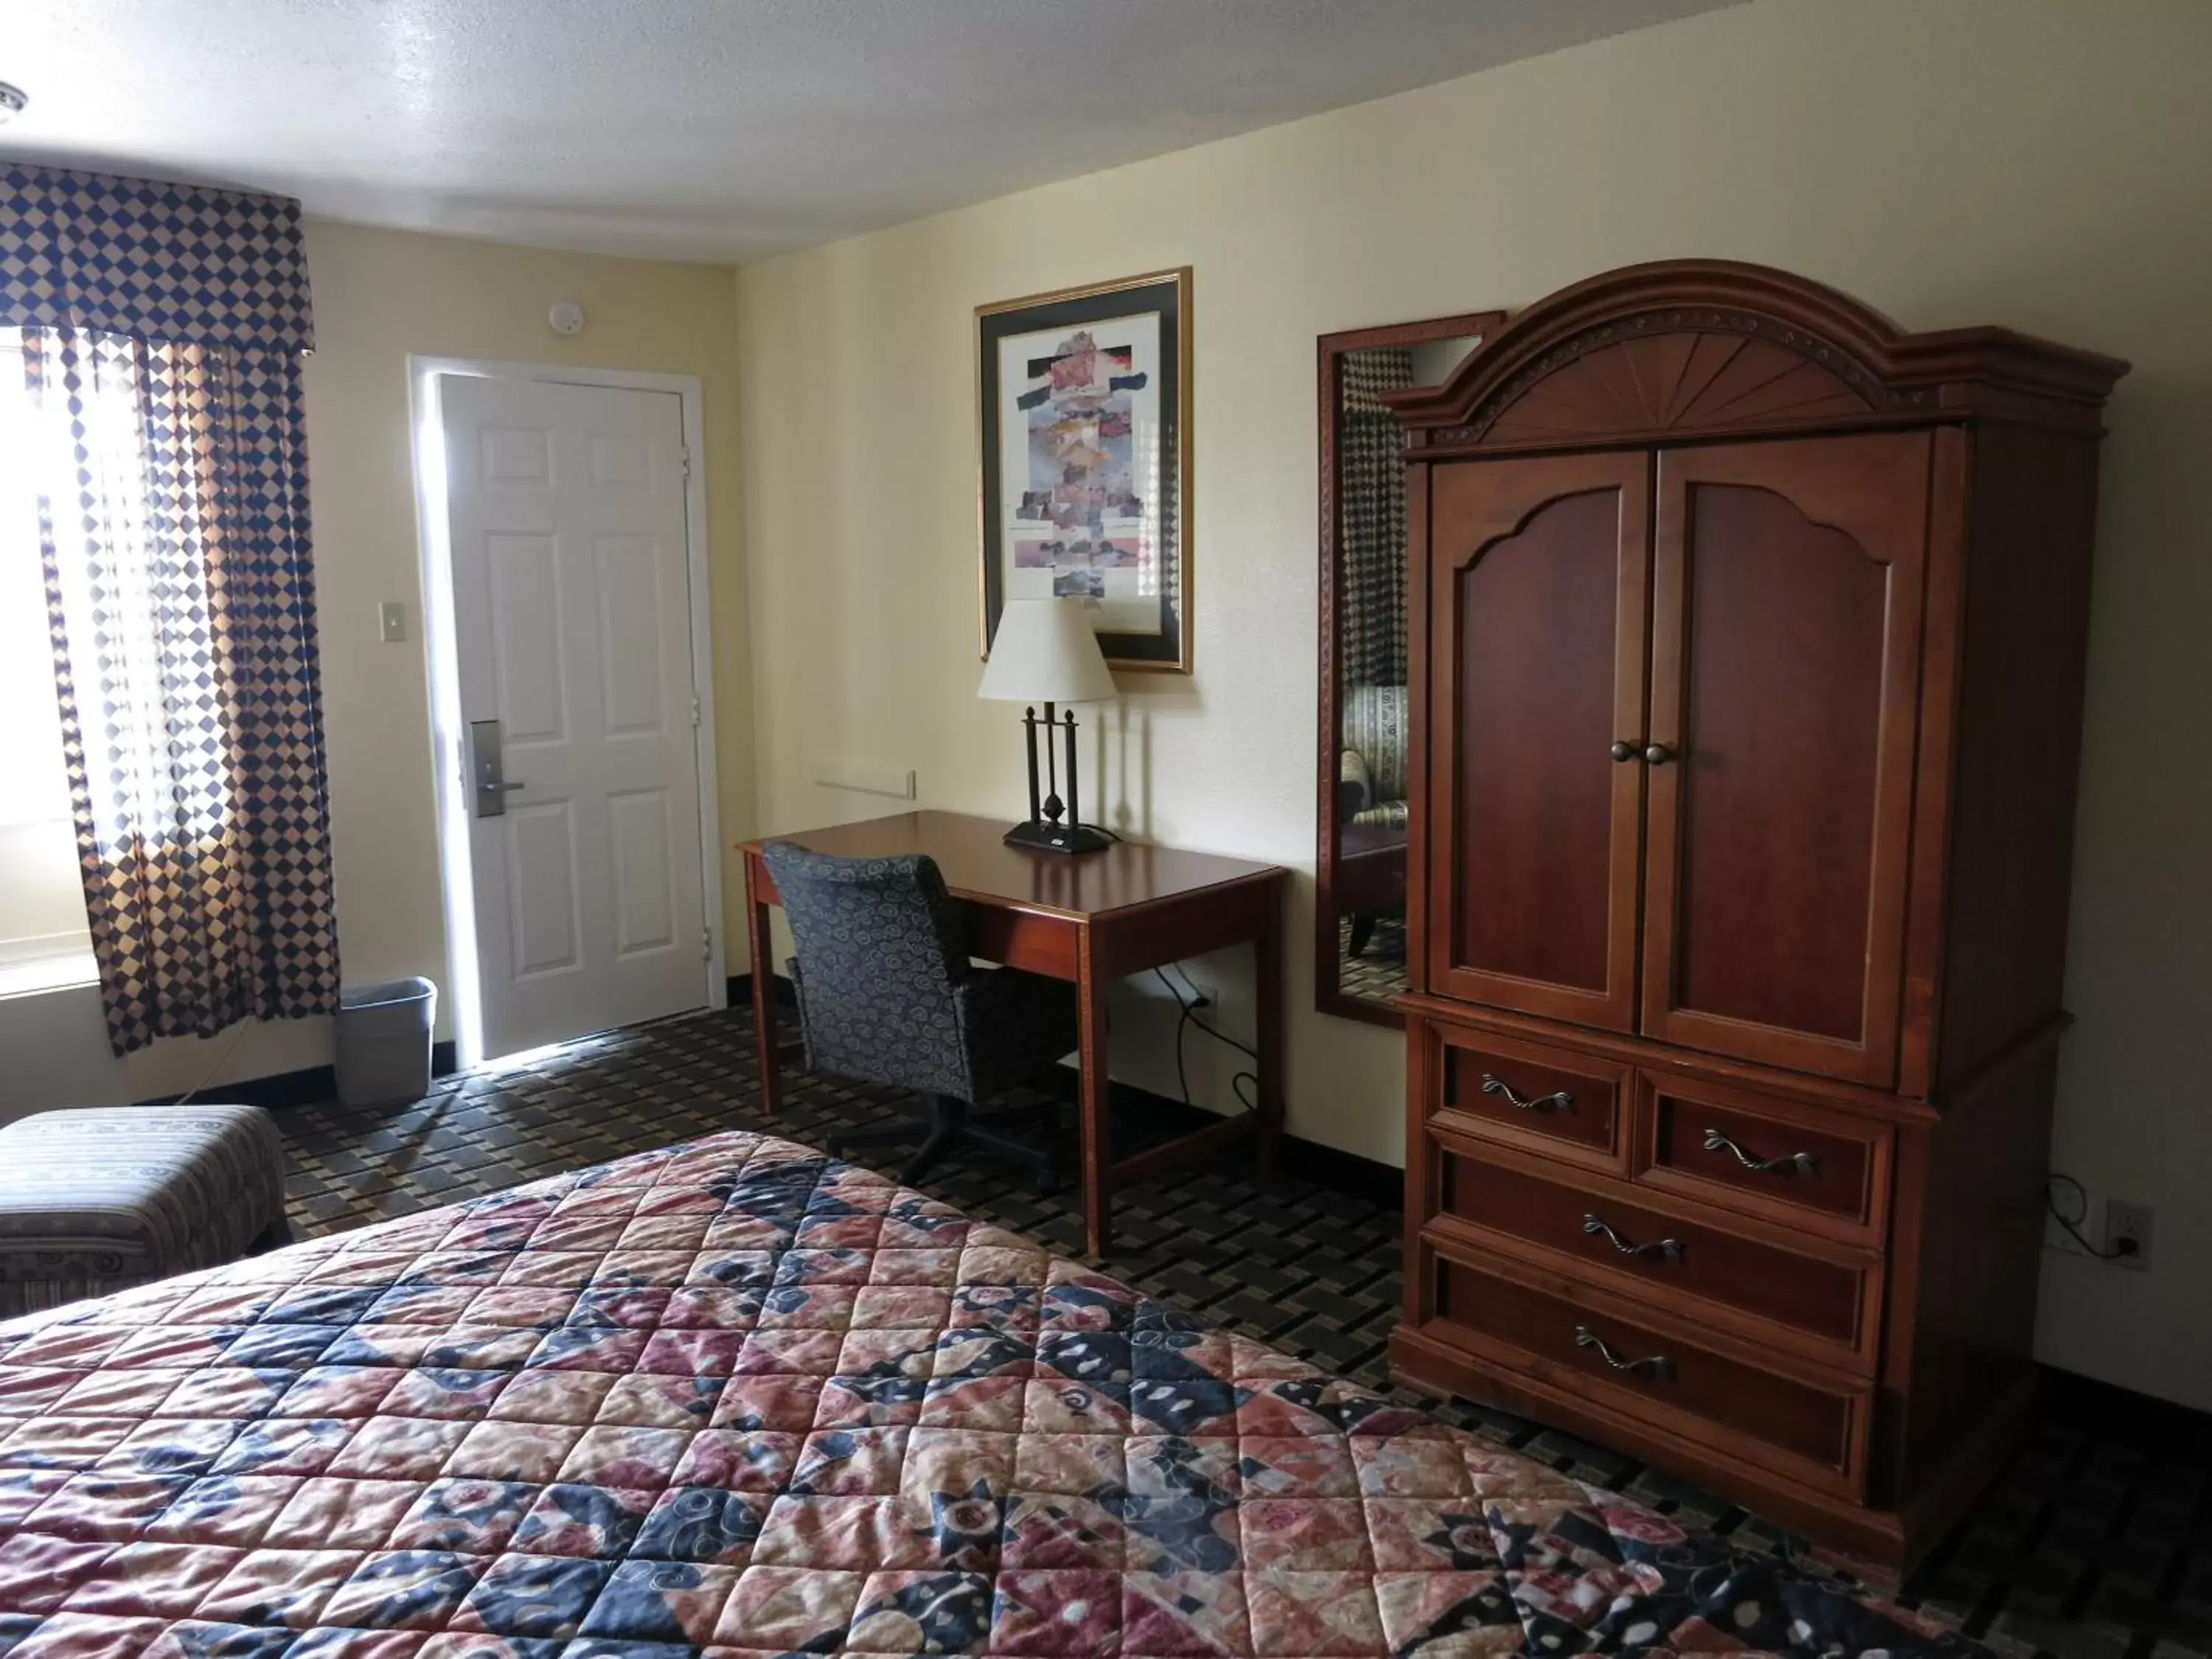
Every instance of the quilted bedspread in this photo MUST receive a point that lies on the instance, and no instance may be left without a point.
(740, 1399)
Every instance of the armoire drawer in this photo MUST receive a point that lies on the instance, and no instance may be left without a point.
(1630, 1365)
(1597, 1226)
(1532, 1095)
(1761, 1156)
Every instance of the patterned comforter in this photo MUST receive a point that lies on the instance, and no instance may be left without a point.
(739, 1398)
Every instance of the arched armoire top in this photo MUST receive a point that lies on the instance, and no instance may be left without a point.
(1683, 348)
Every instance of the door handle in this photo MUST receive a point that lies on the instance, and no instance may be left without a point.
(488, 785)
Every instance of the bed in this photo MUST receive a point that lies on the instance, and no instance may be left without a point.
(739, 1397)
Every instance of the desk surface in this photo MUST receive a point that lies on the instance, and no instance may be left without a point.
(978, 865)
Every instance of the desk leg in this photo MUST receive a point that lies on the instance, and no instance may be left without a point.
(762, 944)
(1267, 969)
(1096, 1128)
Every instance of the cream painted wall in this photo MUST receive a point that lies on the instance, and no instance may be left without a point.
(41, 902)
(380, 295)
(2038, 163)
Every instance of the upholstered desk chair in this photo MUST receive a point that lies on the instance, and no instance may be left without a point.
(887, 995)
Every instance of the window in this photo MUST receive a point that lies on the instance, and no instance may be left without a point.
(44, 940)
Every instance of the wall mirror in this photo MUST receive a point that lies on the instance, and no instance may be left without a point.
(1360, 945)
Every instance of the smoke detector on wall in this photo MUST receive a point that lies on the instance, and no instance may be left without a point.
(12, 99)
(566, 318)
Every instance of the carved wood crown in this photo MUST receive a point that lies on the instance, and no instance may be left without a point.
(1671, 371)
(1709, 346)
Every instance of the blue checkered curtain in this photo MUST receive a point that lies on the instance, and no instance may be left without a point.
(163, 326)
(1370, 470)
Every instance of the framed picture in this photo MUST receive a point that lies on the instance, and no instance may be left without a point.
(1085, 403)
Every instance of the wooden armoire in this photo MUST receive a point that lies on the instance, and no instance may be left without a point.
(1747, 640)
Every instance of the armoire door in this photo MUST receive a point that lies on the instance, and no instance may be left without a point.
(1785, 667)
(1537, 617)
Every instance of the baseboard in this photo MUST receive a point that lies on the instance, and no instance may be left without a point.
(741, 991)
(2165, 1428)
(1302, 1159)
(309, 1086)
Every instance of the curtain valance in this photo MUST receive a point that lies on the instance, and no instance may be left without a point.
(184, 263)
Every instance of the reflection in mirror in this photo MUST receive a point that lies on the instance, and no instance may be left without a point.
(1359, 961)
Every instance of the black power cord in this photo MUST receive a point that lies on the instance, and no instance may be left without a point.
(1188, 1011)
(2128, 1246)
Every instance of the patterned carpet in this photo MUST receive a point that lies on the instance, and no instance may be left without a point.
(2097, 1544)
(1379, 971)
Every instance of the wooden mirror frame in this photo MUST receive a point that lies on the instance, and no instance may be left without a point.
(1329, 997)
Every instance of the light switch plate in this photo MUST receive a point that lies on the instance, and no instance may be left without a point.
(391, 620)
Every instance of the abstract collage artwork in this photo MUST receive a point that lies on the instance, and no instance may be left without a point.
(1085, 461)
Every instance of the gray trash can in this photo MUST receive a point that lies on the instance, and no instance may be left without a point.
(384, 1042)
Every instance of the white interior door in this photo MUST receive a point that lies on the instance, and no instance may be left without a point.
(573, 633)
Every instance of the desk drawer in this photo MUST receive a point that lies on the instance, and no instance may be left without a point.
(1657, 1376)
(1532, 1095)
(1591, 1222)
(1027, 939)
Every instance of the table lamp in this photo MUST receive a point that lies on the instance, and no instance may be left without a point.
(1044, 651)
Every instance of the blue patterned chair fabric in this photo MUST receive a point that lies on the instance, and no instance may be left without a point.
(886, 993)
(101, 1199)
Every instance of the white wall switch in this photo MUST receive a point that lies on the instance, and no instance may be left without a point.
(866, 778)
(391, 620)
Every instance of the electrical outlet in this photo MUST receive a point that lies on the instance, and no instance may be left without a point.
(2127, 1235)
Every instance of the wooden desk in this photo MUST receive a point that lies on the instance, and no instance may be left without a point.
(1091, 919)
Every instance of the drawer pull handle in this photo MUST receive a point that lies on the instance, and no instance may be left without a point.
(1670, 1249)
(1494, 1085)
(1803, 1163)
(1658, 1363)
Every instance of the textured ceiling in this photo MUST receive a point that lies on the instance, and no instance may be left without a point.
(719, 130)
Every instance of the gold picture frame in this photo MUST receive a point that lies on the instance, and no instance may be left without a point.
(1094, 505)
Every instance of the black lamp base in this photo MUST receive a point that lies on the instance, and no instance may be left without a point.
(1044, 831)
(1046, 837)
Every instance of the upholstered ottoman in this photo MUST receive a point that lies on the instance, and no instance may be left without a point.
(99, 1198)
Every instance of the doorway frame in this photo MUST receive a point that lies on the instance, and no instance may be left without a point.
(456, 873)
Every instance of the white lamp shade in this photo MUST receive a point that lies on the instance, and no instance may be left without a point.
(1045, 651)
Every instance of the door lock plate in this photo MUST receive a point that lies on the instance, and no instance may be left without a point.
(488, 784)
